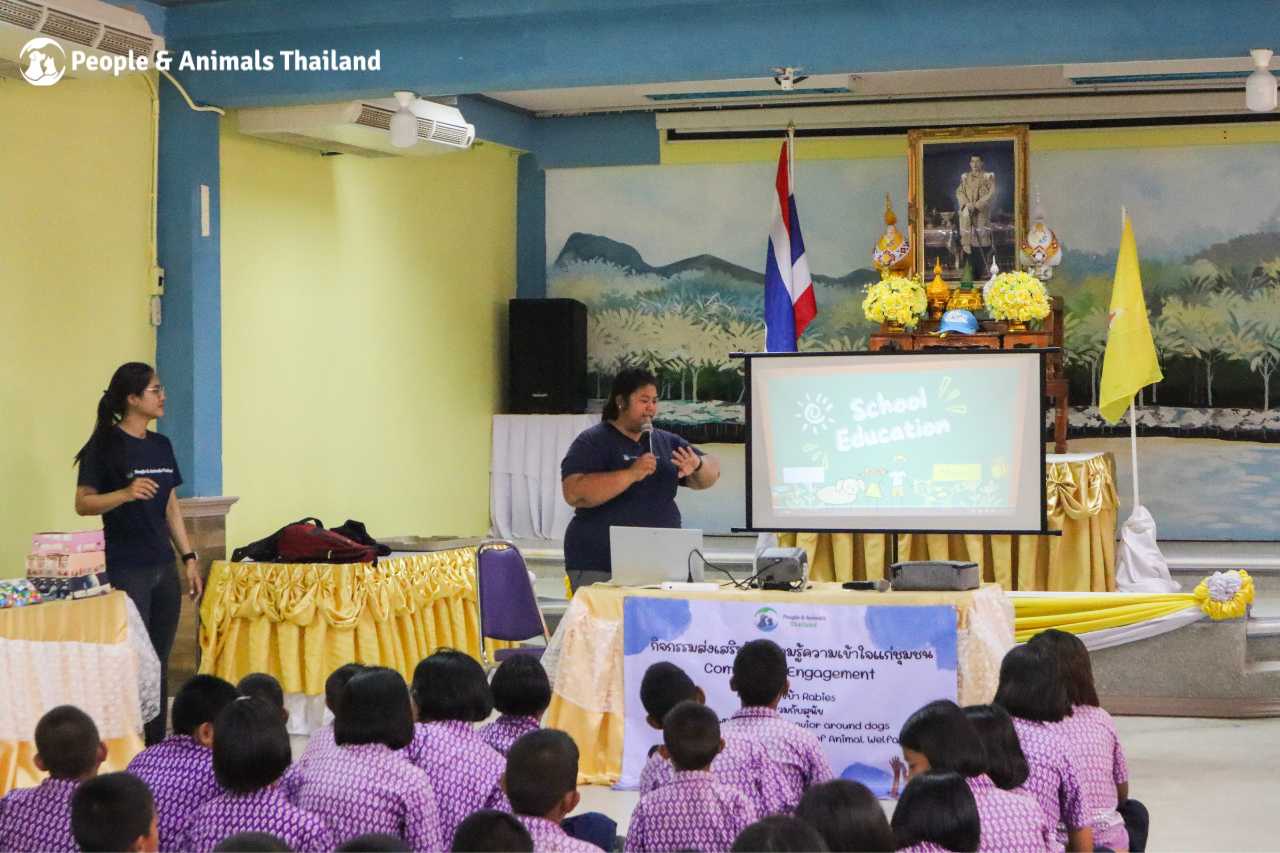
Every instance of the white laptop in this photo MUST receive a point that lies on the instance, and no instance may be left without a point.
(648, 556)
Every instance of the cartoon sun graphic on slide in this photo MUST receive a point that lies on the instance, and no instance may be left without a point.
(814, 413)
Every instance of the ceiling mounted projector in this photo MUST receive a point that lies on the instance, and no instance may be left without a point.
(418, 119)
(1260, 87)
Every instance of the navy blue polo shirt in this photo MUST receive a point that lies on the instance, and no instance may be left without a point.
(648, 503)
(136, 533)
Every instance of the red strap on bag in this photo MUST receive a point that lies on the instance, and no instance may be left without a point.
(311, 543)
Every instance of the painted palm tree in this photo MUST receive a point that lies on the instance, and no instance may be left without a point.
(1262, 321)
(1201, 331)
(1085, 338)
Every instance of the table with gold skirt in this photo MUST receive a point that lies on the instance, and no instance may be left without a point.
(301, 621)
(92, 653)
(1081, 501)
(585, 656)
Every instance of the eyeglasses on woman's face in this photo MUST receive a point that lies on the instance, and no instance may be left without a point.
(156, 389)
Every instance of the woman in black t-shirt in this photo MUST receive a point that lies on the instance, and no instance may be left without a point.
(129, 475)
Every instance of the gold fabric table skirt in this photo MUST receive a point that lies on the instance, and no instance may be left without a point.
(301, 621)
(1081, 502)
(585, 657)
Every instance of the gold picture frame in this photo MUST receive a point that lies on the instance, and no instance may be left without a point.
(959, 216)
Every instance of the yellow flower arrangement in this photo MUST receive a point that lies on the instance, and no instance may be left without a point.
(1017, 296)
(895, 299)
(1225, 595)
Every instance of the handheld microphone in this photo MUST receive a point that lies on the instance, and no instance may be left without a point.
(646, 431)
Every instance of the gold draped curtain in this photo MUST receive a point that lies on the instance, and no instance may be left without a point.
(1080, 497)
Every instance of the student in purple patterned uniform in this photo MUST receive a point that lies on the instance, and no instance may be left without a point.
(1031, 692)
(264, 686)
(1118, 822)
(252, 842)
(250, 755)
(693, 810)
(451, 693)
(781, 834)
(179, 769)
(69, 750)
(743, 763)
(847, 816)
(521, 693)
(490, 831)
(321, 739)
(940, 737)
(937, 812)
(114, 812)
(362, 784)
(760, 680)
(541, 781)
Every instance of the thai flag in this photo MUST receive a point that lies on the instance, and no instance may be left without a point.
(789, 303)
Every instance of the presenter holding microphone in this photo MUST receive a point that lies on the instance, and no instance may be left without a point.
(623, 472)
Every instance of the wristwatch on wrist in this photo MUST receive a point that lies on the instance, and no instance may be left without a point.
(190, 555)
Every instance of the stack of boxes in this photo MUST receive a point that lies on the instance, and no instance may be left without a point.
(68, 565)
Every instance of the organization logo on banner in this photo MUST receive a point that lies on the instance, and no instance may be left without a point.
(766, 619)
(42, 61)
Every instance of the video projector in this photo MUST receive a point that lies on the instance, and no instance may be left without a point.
(781, 568)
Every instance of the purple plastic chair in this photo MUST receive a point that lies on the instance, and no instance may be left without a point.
(508, 605)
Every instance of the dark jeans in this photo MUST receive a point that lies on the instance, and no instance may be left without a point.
(1137, 820)
(158, 596)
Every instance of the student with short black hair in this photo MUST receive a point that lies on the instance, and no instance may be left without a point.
(541, 783)
(451, 694)
(521, 693)
(179, 769)
(1032, 693)
(779, 834)
(321, 738)
(252, 842)
(847, 816)
(1119, 822)
(375, 842)
(937, 812)
(113, 812)
(363, 784)
(69, 750)
(491, 831)
(250, 754)
(1005, 763)
(760, 680)
(266, 687)
(693, 810)
(742, 764)
(939, 737)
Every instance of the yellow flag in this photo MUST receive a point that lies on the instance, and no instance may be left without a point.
(1129, 362)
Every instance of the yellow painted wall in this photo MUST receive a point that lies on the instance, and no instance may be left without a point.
(363, 313)
(75, 183)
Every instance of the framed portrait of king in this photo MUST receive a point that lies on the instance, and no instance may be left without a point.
(968, 198)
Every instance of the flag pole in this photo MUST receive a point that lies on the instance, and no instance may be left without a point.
(791, 156)
(1133, 418)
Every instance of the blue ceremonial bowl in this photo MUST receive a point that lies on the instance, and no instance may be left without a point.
(959, 321)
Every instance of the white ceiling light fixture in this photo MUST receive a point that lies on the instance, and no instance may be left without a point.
(404, 124)
(1260, 88)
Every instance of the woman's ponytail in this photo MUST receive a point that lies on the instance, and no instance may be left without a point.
(131, 378)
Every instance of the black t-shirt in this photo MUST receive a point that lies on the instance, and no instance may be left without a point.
(136, 532)
(648, 503)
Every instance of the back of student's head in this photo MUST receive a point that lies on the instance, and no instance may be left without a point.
(199, 701)
(779, 834)
(67, 742)
(937, 808)
(691, 733)
(942, 734)
(374, 842)
(374, 708)
(1075, 669)
(759, 673)
(521, 687)
(490, 831)
(111, 812)
(847, 816)
(266, 687)
(450, 685)
(1030, 687)
(250, 746)
(336, 681)
(252, 842)
(1005, 763)
(664, 686)
(542, 767)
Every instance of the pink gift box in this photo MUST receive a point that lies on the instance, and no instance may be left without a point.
(66, 565)
(77, 542)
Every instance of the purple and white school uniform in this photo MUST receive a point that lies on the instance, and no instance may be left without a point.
(503, 732)
(793, 750)
(924, 847)
(464, 771)
(265, 810)
(1095, 750)
(33, 820)
(371, 788)
(691, 812)
(179, 772)
(548, 837)
(1011, 820)
(743, 765)
(1052, 778)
